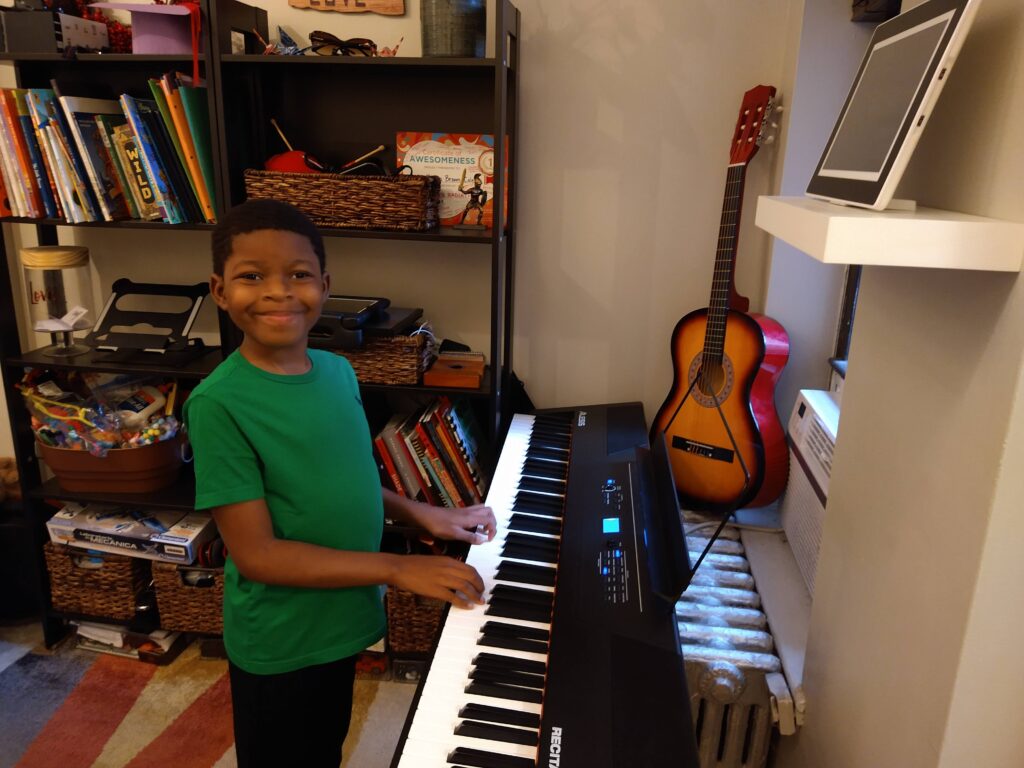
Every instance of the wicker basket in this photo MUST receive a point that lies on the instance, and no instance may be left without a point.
(94, 583)
(413, 621)
(392, 359)
(189, 607)
(403, 203)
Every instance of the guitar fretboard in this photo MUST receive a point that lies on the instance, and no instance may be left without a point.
(725, 263)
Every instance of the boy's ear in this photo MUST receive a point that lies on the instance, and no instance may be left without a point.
(217, 290)
(327, 286)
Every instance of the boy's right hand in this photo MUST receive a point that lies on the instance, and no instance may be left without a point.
(440, 577)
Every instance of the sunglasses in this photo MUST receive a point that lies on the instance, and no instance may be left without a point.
(326, 44)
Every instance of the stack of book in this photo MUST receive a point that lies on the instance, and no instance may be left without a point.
(433, 454)
(83, 159)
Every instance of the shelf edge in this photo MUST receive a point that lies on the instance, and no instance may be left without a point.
(928, 237)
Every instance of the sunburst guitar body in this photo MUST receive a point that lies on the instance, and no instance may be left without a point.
(726, 445)
(702, 437)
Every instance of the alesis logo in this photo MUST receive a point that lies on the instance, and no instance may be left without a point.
(581, 421)
(555, 750)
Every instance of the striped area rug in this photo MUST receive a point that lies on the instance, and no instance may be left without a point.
(82, 710)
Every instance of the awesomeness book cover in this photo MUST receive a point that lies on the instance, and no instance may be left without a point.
(465, 164)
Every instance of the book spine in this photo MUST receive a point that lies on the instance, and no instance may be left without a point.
(23, 164)
(389, 466)
(28, 132)
(448, 459)
(436, 492)
(188, 149)
(150, 162)
(411, 480)
(37, 114)
(131, 160)
(73, 208)
(76, 171)
(463, 428)
(450, 489)
(12, 176)
(458, 461)
(105, 130)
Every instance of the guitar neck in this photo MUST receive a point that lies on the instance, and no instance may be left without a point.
(725, 260)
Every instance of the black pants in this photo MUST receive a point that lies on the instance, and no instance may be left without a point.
(295, 718)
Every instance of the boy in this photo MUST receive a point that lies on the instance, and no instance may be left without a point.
(283, 458)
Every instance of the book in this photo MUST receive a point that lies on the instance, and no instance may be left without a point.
(459, 460)
(197, 113)
(466, 429)
(450, 456)
(78, 176)
(389, 466)
(81, 116)
(150, 161)
(5, 201)
(23, 122)
(105, 125)
(37, 116)
(177, 178)
(420, 461)
(451, 491)
(17, 175)
(176, 108)
(131, 160)
(456, 158)
(411, 480)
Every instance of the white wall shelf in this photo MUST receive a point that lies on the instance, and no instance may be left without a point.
(927, 237)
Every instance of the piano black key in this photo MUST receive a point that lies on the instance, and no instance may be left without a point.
(474, 730)
(544, 543)
(515, 630)
(522, 611)
(547, 444)
(521, 679)
(541, 501)
(530, 554)
(535, 524)
(523, 573)
(550, 469)
(500, 715)
(479, 758)
(547, 451)
(542, 485)
(535, 509)
(523, 595)
(514, 643)
(510, 692)
(510, 662)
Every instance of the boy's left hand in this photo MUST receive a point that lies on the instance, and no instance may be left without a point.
(474, 524)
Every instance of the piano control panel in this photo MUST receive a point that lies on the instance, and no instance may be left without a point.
(616, 521)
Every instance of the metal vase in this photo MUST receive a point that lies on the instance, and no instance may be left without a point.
(453, 27)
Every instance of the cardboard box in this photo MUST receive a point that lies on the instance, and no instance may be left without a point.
(47, 32)
(154, 534)
(164, 29)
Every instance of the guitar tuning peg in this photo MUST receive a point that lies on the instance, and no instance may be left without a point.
(774, 124)
(779, 108)
(770, 140)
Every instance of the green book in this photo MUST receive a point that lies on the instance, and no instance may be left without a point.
(197, 112)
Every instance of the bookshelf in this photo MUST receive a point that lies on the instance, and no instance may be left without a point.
(243, 93)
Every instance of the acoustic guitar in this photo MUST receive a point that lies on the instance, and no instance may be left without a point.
(726, 444)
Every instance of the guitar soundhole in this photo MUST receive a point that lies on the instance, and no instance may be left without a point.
(714, 380)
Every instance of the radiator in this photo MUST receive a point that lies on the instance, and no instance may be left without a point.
(738, 693)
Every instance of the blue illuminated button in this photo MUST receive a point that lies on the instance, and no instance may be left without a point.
(610, 525)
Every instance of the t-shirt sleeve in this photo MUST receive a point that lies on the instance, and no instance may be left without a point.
(227, 468)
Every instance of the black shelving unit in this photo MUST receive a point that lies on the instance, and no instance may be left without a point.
(244, 92)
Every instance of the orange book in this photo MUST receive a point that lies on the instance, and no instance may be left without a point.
(188, 146)
(22, 161)
(389, 465)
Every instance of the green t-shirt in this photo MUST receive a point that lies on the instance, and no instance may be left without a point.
(301, 442)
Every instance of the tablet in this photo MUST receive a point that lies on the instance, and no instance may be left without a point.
(906, 64)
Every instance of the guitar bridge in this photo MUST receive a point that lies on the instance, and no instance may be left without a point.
(703, 449)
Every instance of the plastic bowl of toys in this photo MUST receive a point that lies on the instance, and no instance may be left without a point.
(122, 470)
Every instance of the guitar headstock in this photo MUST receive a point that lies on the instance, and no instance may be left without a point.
(758, 105)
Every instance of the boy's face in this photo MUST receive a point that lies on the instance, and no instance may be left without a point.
(273, 289)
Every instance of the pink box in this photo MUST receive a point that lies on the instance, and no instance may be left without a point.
(156, 28)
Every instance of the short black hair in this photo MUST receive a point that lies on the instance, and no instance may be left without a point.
(254, 215)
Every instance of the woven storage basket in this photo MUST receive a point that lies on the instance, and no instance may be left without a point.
(392, 359)
(95, 583)
(413, 621)
(186, 607)
(404, 203)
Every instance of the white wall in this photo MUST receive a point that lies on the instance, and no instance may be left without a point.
(913, 658)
